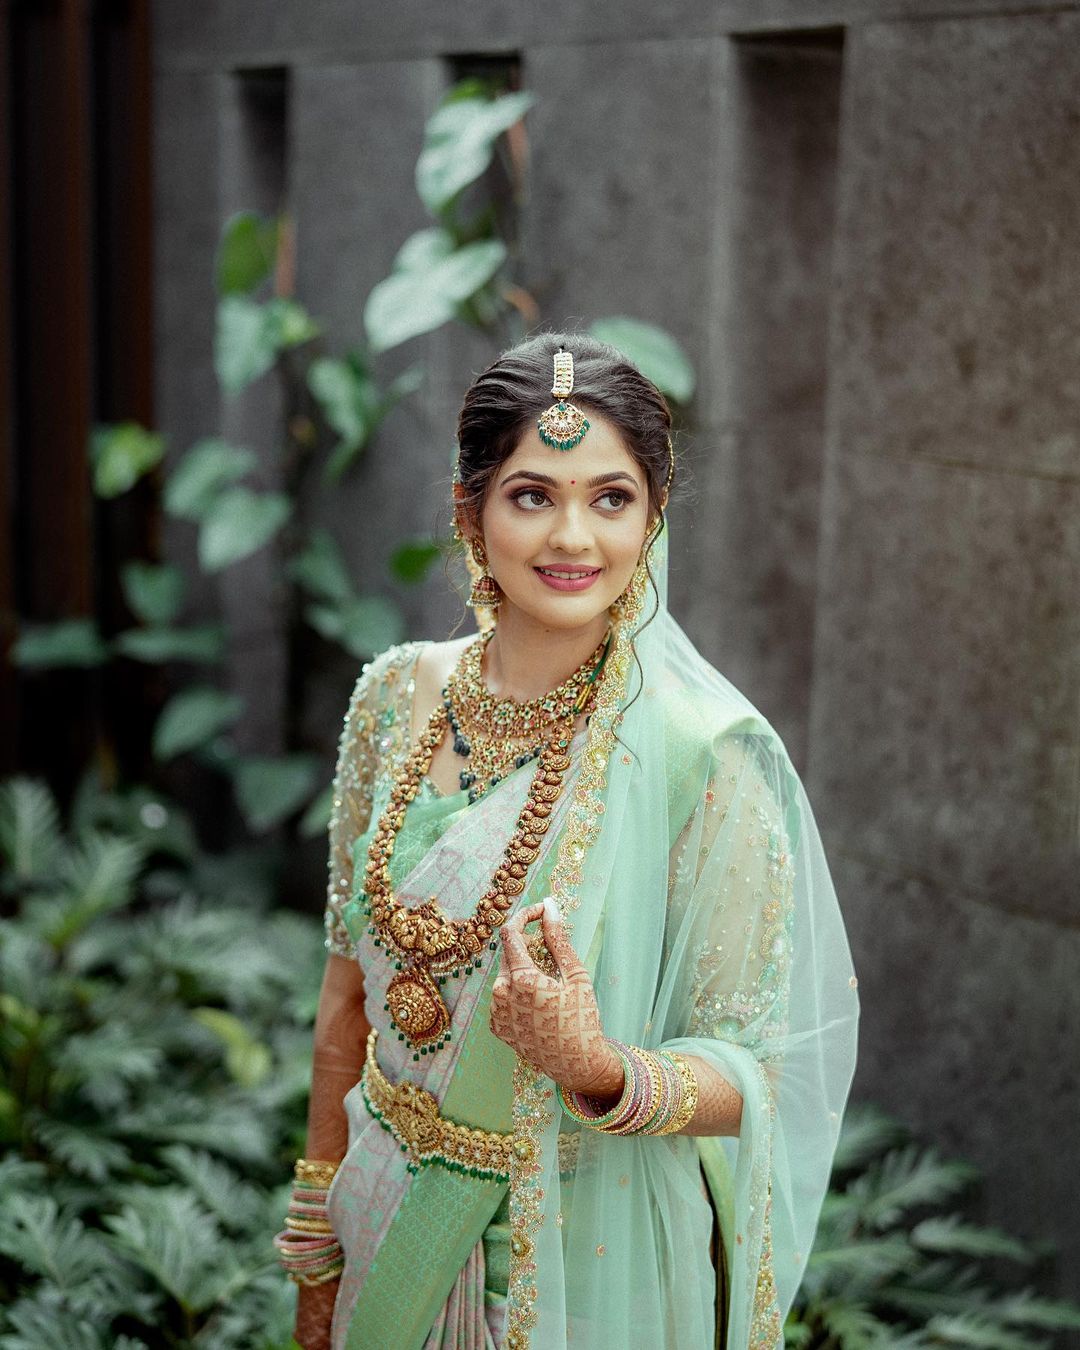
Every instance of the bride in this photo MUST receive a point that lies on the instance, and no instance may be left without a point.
(588, 1021)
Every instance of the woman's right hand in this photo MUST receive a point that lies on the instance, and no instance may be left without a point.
(314, 1314)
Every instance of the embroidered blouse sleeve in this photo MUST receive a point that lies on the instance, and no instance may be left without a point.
(351, 806)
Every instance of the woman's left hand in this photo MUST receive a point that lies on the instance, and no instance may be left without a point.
(552, 1021)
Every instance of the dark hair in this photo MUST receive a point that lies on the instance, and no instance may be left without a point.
(506, 399)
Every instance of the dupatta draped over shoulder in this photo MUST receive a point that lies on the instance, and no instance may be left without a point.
(685, 859)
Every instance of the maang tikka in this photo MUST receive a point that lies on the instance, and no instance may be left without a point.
(562, 425)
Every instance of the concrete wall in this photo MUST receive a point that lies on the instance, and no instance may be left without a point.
(860, 219)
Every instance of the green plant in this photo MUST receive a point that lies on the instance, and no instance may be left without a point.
(154, 1059)
(895, 1264)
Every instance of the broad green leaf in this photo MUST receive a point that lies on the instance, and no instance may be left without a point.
(30, 836)
(154, 591)
(349, 399)
(71, 642)
(196, 482)
(270, 788)
(412, 560)
(249, 336)
(247, 1059)
(406, 304)
(120, 454)
(320, 568)
(464, 271)
(363, 626)
(246, 253)
(400, 387)
(459, 142)
(154, 645)
(192, 717)
(423, 250)
(238, 524)
(655, 353)
(316, 819)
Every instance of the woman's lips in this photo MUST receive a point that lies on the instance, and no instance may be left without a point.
(568, 578)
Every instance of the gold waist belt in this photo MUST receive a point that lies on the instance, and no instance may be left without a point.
(412, 1116)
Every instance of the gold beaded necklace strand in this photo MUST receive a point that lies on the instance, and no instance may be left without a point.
(426, 944)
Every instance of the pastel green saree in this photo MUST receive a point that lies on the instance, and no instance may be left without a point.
(683, 854)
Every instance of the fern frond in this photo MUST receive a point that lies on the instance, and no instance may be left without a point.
(949, 1234)
(41, 1321)
(102, 1064)
(16, 1174)
(266, 1302)
(177, 1242)
(861, 1264)
(981, 1330)
(854, 1326)
(99, 873)
(866, 1133)
(903, 1179)
(26, 965)
(84, 1151)
(30, 838)
(236, 1203)
(56, 1246)
(1051, 1314)
(231, 1129)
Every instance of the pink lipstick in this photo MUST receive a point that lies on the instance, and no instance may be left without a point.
(567, 578)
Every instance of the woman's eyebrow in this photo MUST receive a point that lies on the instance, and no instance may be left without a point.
(553, 482)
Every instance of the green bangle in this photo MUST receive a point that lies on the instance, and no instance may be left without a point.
(629, 1086)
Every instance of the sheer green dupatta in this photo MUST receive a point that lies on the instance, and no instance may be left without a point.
(692, 874)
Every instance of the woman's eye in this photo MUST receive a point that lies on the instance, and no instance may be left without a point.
(526, 498)
(621, 499)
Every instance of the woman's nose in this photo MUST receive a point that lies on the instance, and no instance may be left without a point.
(571, 531)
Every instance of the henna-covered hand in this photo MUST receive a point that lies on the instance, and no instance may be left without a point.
(552, 1021)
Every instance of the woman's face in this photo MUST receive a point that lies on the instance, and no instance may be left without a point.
(563, 530)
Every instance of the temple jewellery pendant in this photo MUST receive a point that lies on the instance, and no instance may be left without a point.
(562, 425)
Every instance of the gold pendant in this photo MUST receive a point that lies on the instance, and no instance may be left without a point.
(562, 425)
(417, 1010)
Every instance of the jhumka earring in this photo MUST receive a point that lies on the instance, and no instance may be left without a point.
(486, 590)
(562, 425)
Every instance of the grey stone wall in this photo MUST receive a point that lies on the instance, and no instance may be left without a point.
(861, 221)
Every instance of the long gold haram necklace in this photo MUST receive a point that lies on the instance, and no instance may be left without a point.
(427, 945)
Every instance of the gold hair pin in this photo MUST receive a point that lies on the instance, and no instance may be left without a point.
(562, 425)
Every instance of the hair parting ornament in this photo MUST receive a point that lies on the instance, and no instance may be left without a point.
(562, 425)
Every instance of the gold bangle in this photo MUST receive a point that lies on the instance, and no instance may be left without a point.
(688, 1106)
(308, 1225)
(314, 1171)
(334, 1273)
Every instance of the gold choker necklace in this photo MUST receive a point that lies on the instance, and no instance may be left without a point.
(499, 735)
